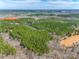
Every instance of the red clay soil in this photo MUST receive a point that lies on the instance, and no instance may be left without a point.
(8, 18)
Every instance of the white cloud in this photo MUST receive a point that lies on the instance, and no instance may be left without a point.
(38, 4)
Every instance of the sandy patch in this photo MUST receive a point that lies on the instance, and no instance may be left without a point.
(70, 41)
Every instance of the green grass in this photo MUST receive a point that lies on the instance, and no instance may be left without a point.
(59, 27)
(36, 40)
(5, 48)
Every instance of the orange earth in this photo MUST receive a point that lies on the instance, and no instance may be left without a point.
(8, 18)
(70, 41)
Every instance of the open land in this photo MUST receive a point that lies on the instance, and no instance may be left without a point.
(39, 36)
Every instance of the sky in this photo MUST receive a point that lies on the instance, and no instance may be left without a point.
(39, 4)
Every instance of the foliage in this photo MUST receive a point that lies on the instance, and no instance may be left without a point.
(60, 27)
(35, 40)
(5, 48)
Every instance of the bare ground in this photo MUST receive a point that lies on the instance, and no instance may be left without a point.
(22, 53)
(56, 52)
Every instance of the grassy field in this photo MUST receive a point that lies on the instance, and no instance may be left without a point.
(35, 34)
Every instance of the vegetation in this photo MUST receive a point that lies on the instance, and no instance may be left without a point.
(41, 14)
(34, 34)
(59, 27)
(69, 15)
(5, 48)
(35, 40)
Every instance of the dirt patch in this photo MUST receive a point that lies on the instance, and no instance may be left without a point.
(8, 18)
(16, 44)
(70, 41)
